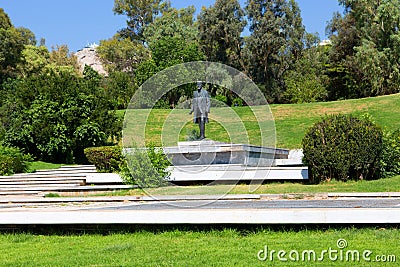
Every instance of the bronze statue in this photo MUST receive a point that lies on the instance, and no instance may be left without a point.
(201, 107)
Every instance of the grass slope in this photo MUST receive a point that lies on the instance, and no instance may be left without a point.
(291, 121)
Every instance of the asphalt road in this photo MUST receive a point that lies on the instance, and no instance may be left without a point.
(235, 211)
(256, 204)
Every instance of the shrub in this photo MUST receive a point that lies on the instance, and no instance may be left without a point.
(146, 168)
(12, 160)
(237, 102)
(390, 160)
(221, 98)
(106, 158)
(304, 88)
(342, 147)
(192, 135)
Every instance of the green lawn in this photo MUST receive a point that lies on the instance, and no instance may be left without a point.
(40, 165)
(291, 121)
(227, 247)
(382, 185)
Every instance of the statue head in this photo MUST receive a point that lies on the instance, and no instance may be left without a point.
(199, 85)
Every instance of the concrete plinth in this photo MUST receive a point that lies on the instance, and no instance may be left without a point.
(208, 152)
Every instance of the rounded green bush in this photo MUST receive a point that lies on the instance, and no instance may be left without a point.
(12, 160)
(342, 147)
(105, 158)
(147, 168)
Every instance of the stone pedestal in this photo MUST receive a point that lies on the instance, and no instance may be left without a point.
(208, 152)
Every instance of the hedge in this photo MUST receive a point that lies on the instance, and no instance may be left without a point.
(106, 158)
(343, 147)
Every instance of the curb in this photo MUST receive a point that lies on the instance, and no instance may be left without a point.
(13, 200)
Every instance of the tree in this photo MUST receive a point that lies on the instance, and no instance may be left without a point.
(295, 31)
(275, 42)
(34, 60)
(220, 29)
(307, 80)
(172, 23)
(120, 87)
(62, 60)
(170, 51)
(28, 36)
(366, 45)
(122, 54)
(55, 115)
(11, 46)
(5, 22)
(343, 34)
(167, 52)
(140, 13)
(60, 56)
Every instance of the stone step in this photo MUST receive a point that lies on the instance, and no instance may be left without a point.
(46, 176)
(96, 188)
(67, 169)
(39, 187)
(86, 189)
(78, 166)
(90, 178)
(57, 173)
(88, 168)
(71, 168)
(19, 193)
(44, 182)
(42, 191)
(38, 179)
(67, 179)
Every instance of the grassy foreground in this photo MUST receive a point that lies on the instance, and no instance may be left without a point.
(229, 247)
(291, 121)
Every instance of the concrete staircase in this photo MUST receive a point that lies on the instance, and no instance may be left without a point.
(68, 180)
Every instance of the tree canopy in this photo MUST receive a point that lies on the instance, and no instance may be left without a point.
(365, 53)
(220, 29)
(139, 14)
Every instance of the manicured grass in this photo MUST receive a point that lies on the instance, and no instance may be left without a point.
(40, 165)
(291, 121)
(228, 247)
(382, 185)
(167, 127)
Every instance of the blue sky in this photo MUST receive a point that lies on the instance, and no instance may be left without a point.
(78, 23)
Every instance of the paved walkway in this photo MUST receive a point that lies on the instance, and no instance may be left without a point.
(346, 208)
